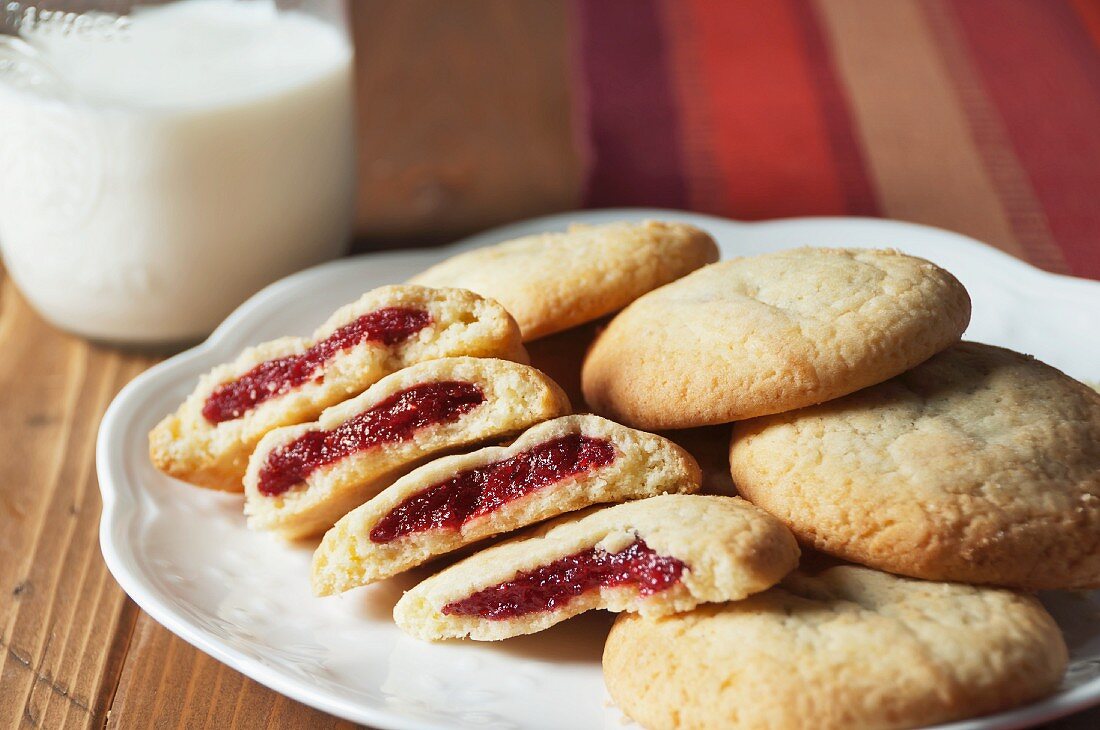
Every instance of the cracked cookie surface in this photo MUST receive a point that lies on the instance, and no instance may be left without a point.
(981, 465)
(554, 281)
(766, 334)
(849, 647)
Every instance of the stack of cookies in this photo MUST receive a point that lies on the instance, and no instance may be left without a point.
(933, 482)
(958, 476)
(411, 427)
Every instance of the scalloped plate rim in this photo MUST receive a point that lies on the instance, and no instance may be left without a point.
(223, 344)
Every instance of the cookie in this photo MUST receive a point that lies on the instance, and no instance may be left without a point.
(208, 440)
(303, 478)
(767, 334)
(655, 556)
(555, 467)
(553, 281)
(847, 648)
(981, 465)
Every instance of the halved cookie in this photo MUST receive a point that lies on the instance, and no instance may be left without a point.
(555, 467)
(303, 478)
(207, 441)
(847, 648)
(767, 334)
(655, 556)
(980, 465)
(553, 281)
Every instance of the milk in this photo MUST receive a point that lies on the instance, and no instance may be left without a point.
(154, 179)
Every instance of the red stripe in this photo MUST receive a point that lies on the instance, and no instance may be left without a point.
(770, 138)
(1075, 36)
(1050, 105)
(630, 119)
(1089, 10)
(848, 158)
(701, 175)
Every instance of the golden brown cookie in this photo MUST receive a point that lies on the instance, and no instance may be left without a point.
(766, 334)
(553, 281)
(558, 466)
(848, 648)
(207, 441)
(655, 556)
(303, 478)
(981, 465)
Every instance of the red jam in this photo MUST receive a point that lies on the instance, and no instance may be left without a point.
(554, 585)
(481, 490)
(273, 378)
(394, 419)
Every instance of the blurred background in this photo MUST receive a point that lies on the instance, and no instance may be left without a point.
(980, 116)
(161, 161)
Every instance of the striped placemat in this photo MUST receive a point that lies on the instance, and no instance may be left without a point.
(981, 116)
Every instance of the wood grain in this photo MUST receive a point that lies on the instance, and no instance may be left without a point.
(167, 683)
(66, 623)
(75, 651)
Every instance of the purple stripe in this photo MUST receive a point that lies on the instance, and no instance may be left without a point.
(630, 119)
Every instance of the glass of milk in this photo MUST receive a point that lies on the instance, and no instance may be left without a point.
(162, 161)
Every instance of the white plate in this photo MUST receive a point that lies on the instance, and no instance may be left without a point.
(184, 555)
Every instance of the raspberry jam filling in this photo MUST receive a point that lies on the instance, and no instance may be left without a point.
(478, 491)
(274, 377)
(394, 419)
(554, 585)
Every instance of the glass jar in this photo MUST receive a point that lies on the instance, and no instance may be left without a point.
(162, 161)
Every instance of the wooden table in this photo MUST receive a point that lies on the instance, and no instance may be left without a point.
(467, 120)
(76, 651)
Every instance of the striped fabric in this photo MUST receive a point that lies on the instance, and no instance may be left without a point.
(981, 116)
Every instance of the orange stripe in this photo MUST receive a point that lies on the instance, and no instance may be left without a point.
(923, 160)
(766, 133)
(1002, 164)
(1040, 70)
